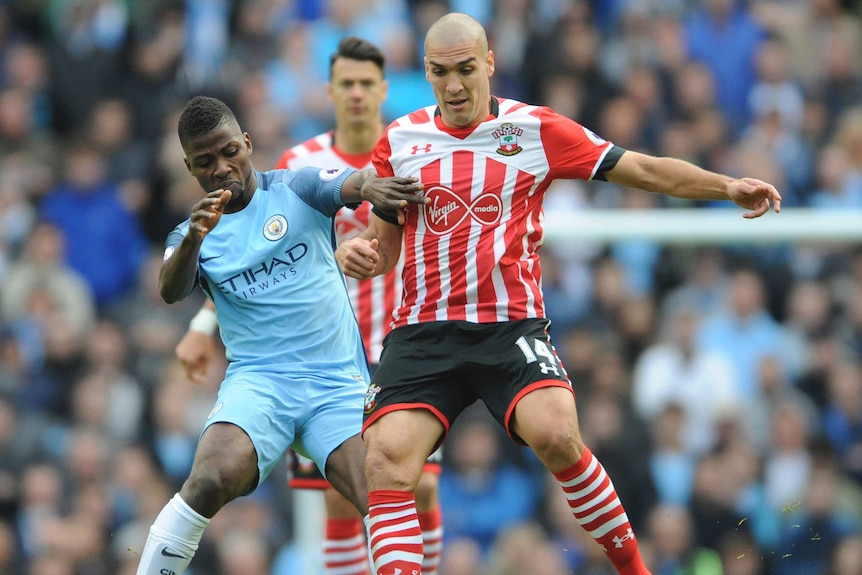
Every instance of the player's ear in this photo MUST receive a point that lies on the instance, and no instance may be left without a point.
(329, 91)
(489, 61)
(384, 88)
(188, 165)
(247, 140)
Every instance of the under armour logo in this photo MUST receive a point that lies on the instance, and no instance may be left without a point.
(618, 541)
(426, 148)
(546, 369)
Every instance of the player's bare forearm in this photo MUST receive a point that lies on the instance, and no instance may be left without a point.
(178, 273)
(387, 194)
(681, 179)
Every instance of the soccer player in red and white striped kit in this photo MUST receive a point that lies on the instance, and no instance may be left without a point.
(357, 89)
(472, 322)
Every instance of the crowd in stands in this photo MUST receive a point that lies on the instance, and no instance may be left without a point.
(721, 386)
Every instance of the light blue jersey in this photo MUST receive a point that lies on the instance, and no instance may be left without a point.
(298, 371)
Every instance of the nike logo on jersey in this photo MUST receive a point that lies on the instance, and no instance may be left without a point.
(167, 553)
(205, 260)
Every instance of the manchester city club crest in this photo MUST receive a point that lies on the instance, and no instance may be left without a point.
(507, 135)
(275, 227)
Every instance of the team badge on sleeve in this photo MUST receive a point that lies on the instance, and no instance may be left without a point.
(275, 227)
(507, 135)
(594, 138)
(330, 174)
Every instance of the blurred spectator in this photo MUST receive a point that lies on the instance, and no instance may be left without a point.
(713, 503)
(671, 463)
(178, 412)
(674, 544)
(842, 416)
(41, 502)
(526, 549)
(463, 556)
(740, 555)
(477, 478)
(837, 186)
(9, 564)
(729, 25)
(128, 158)
(41, 268)
(294, 85)
(677, 371)
(104, 241)
(846, 556)
(152, 327)
(154, 57)
(814, 526)
(86, 57)
(788, 463)
(242, 552)
(745, 332)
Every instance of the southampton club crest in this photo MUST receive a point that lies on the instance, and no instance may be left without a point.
(275, 227)
(507, 135)
(371, 398)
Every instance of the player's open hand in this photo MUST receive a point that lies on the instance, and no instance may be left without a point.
(195, 351)
(755, 195)
(207, 213)
(392, 194)
(358, 258)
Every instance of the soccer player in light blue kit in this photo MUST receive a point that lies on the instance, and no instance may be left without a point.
(261, 246)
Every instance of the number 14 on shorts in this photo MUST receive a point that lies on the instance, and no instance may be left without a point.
(539, 349)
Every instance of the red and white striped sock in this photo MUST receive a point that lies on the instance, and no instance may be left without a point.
(431, 523)
(394, 533)
(598, 509)
(344, 550)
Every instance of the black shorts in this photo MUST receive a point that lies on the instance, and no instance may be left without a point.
(446, 366)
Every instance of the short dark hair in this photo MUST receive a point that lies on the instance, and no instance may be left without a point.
(355, 48)
(201, 115)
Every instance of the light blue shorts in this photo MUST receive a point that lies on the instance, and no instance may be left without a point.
(312, 415)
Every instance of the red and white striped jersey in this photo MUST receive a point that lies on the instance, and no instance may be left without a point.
(373, 300)
(471, 253)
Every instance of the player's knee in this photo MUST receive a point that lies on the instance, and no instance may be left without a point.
(558, 445)
(385, 470)
(219, 484)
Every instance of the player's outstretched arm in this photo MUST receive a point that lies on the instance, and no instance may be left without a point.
(683, 179)
(373, 252)
(387, 194)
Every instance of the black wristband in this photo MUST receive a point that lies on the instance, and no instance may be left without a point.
(389, 217)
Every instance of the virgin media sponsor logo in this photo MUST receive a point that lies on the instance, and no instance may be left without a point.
(447, 210)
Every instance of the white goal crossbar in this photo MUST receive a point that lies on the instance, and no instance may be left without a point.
(705, 226)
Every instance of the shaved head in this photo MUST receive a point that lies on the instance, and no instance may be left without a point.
(459, 66)
(453, 29)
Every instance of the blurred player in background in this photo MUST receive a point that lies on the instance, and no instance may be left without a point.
(357, 89)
